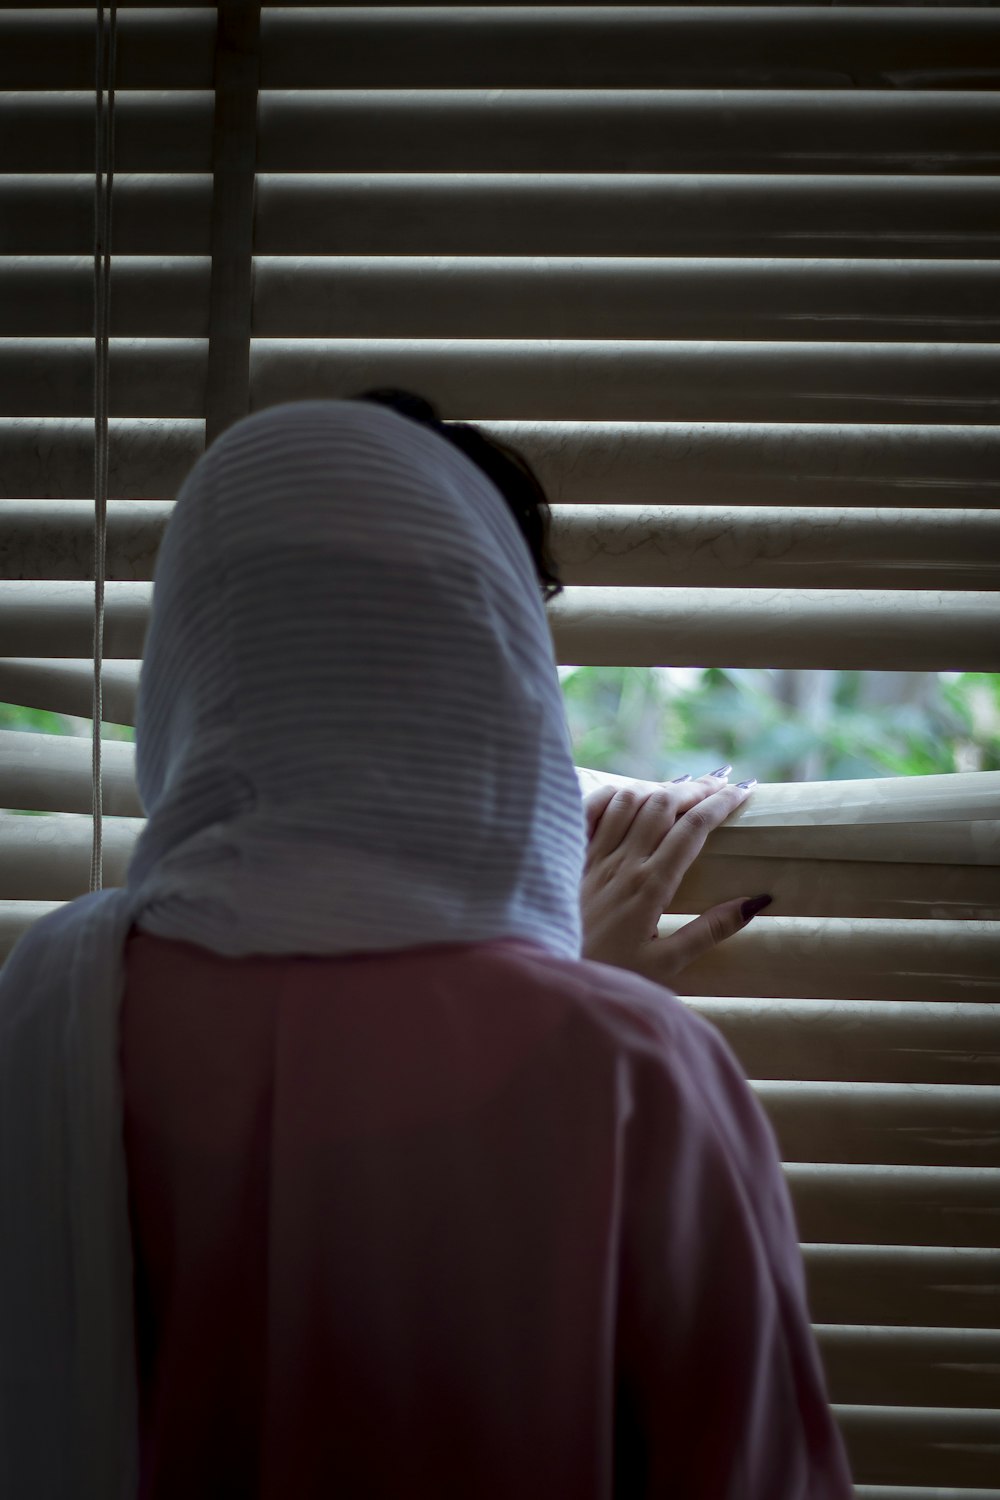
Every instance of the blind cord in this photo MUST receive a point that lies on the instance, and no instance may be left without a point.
(104, 151)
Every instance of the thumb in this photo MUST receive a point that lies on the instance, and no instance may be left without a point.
(706, 932)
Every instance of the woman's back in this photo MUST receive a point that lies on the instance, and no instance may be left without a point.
(459, 1221)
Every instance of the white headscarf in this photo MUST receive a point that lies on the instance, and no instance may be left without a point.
(350, 738)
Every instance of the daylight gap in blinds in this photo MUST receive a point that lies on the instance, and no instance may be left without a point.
(728, 276)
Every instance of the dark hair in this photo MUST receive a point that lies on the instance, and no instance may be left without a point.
(512, 474)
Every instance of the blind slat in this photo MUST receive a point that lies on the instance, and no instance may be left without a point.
(912, 1492)
(614, 545)
(923, 1041)
(49, 296)
(48, 859)
(54, 456)
(906, 1285)
(588, 463)
(520, 297)
(762, 464)
(47, 772)
(820, 628)
(555, 130)
(47, 539)
(637, 380)
(877, 1205)
(588, 130)
(868, 630)
(154, 131)
(66, 686)
(525, 214)
(912, 1366)
(172, 49)
(555, 379)
(714, 5)
(622, 298)
(629, 213)
(885, 1124)
(625, 46)
(154, 214)
(53, 619)
(817, 628)
(148, 377)
(776, 547)
(920, 1445)
(842, 887)
(534, 46)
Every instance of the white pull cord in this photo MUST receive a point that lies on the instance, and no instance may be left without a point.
(105, 47)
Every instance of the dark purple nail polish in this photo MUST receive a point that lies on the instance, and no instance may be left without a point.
(721, 772)
(685, 777)
(745, 786)
(751, 907)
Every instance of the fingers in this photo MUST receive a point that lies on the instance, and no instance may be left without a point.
(594, 805)
(695, 939)
(690, 832)
(644, 812)
(614, 822)
(656, 817)
(689, 793)
(641, 816)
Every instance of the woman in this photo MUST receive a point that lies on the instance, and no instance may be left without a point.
(414, 1201)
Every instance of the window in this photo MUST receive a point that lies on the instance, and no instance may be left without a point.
(728, 276)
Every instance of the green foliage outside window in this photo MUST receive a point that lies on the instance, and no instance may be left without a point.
(782, 725)
(42, 721)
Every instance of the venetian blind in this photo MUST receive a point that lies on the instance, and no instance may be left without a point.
(728, 276)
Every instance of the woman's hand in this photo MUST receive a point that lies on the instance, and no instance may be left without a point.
(641, 845)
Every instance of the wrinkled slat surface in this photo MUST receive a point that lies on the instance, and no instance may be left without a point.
(53, 457)
(648, 626)
(614, 545)
(743, 463)
(640, 380)
(774, 547)
(923, 1125)
(587, 463)
(872, 1041)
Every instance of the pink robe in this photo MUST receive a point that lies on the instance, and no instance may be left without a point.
(469, 1222)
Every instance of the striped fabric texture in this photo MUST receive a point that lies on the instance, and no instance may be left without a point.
(350, 739)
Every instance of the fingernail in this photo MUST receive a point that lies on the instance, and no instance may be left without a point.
(746, 785)
(755, 904)
(685, 777)
(721, 773)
